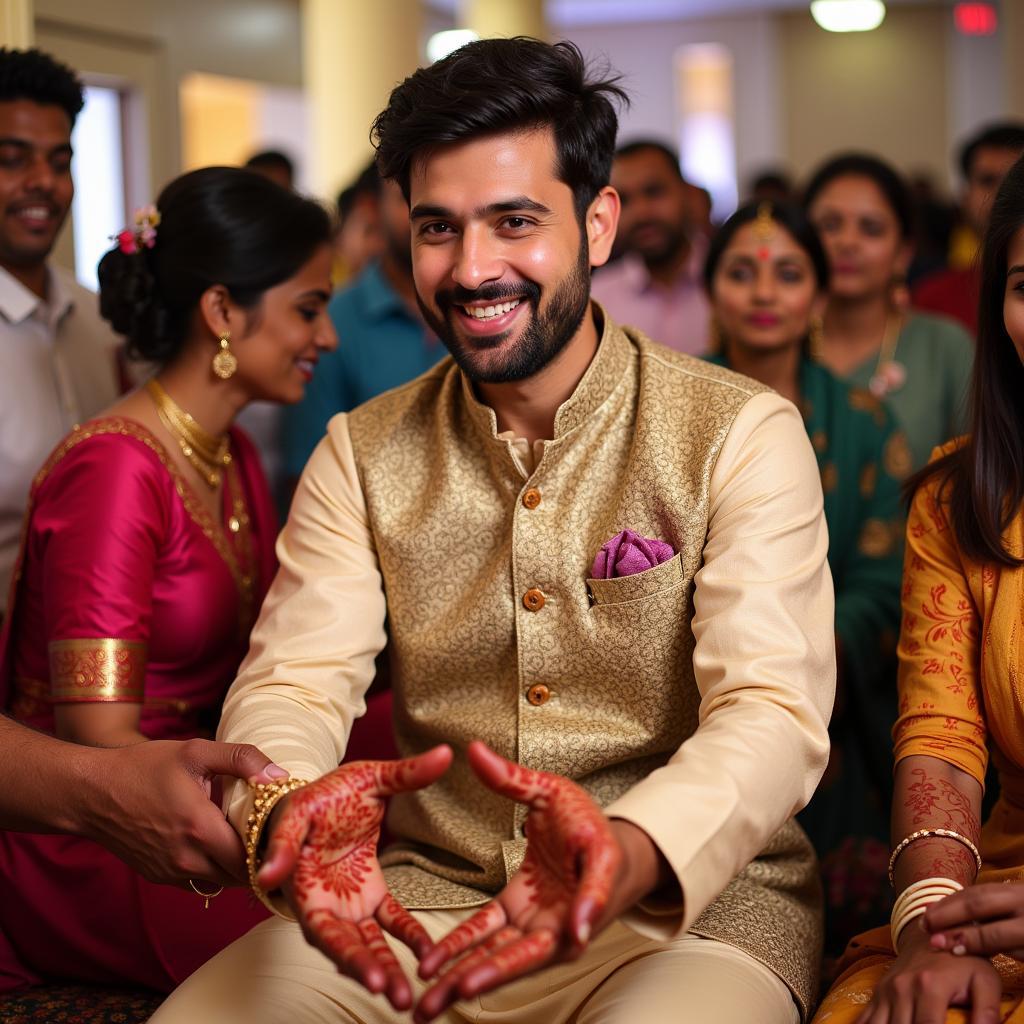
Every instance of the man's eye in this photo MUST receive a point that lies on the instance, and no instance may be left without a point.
(516, 223)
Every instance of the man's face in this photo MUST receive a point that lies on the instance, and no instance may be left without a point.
(35, 180)
(988, 168)
(501, 267)
(656, 212)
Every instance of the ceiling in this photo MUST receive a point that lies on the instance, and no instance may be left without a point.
(566, 13)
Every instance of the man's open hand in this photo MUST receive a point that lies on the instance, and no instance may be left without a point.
(549, 909)
(323, 853)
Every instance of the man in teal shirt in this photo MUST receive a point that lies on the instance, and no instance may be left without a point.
(382, 342)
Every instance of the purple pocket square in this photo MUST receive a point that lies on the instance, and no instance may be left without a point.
(628, 553)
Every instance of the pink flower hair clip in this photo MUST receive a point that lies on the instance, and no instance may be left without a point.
(142, 235)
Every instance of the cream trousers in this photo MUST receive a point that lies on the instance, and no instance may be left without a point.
(272, 976)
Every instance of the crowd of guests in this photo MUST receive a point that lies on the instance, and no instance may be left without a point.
(138, 527)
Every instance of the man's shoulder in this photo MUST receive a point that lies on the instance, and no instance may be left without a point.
(661, 363)
(405, 402)
(82, 325)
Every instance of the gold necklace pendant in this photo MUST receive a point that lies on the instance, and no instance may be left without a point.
(207, 454)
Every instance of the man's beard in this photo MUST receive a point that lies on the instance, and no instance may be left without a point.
(544, 338)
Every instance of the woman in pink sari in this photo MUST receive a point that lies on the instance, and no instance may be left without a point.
(148, 548)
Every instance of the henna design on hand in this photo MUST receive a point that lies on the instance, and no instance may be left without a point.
(548, 909)
(323, 852)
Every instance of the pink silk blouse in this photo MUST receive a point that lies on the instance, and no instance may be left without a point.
(127, 589)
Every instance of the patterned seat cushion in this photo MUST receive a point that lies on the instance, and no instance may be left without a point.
(78, 1004)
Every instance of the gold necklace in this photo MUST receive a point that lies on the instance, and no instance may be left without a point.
(240, 527)
(889, 375)
(208, 454)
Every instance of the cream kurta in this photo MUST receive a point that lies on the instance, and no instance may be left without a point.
(691, 700)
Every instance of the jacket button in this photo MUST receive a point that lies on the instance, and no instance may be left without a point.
(533, 600)
(531, 498)
(538, 694)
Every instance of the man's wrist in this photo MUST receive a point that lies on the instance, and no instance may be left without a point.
(85, 774)
(644, 868)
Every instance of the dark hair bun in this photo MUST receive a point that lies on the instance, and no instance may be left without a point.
(218, 226)
(128, 301)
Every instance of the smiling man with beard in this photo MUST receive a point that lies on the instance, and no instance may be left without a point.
(657, 284)
(603, 559)
(58, 356)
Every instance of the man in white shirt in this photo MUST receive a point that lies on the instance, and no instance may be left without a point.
(58, 355)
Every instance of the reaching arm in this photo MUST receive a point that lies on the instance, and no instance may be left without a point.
(149, 803)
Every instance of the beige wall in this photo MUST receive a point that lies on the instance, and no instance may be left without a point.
(883, 91)
(154, 44)
(149, 46)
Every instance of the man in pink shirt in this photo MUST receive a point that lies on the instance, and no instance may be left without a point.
(656, 285)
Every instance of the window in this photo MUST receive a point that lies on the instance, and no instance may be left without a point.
(704, 83)
(98, 170)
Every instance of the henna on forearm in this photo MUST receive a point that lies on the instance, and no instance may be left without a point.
(931, 794)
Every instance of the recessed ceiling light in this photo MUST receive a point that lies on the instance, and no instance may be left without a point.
(440, 44)
(848, 15)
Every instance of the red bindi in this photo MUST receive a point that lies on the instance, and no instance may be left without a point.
(763, 254)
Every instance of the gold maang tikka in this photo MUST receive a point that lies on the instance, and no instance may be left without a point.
(764, 225)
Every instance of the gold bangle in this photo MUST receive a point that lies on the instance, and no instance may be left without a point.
(942, 833)
(265, 798)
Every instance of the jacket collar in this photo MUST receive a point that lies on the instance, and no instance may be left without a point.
(602, 376)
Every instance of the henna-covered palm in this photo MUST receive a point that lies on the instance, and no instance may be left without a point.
(549, 908)
(323, 854)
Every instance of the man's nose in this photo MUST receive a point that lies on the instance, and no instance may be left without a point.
(478, 259)
(40, 175)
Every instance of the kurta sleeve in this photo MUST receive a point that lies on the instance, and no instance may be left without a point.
(764, 662)
(311, 653)
(97, 524)
(939, 690)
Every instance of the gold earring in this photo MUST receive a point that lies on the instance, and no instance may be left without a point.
(816, 338)
(224, 362)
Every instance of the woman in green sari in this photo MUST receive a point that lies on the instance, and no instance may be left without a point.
(767, 278)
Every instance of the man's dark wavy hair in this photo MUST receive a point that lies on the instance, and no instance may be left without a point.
(36, 76)
(502, 85)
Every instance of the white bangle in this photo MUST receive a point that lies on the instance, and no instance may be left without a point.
(897, 927)
(931, 886)
(914, 901)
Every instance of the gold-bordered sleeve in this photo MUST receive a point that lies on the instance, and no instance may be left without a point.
(102, 669)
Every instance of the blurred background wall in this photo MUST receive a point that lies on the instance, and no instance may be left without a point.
(737, 85)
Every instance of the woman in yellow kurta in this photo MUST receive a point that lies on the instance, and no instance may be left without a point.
(958, 937)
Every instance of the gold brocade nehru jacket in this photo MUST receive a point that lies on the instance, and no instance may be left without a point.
(497, 633)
